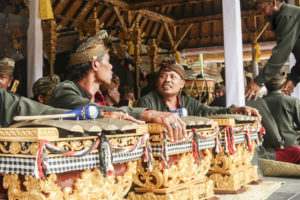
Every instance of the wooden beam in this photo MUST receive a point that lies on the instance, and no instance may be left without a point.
(170, 37)
(137, 19)
(162, 3)
(60, 7)
(210, 18)
(113, 3)
(183, 35)
(70, 13)
(154, 16)
(120, 18)
(85, 10)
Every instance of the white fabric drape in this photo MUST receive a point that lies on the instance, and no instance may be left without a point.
(34, 46)
(233, 53)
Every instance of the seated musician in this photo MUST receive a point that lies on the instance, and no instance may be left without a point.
(43, 88)
(286, 112)
(165, 98)
(127, 95)
(219, 95)
(89, 68)
(110, 91)
(6, 72)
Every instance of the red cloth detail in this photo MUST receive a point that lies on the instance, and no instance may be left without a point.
(288, 154)
(99, 98)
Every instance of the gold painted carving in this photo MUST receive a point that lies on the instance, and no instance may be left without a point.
(184, 171)
(124, 141)
(91, 185)
(91, 28)
(197, 191)
(49, 40)
(223, 161)
(26, 134)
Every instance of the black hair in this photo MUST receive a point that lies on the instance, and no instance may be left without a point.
(125, 90)
(272, 87)
(77, 72)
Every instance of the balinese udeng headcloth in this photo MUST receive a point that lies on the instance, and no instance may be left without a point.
(172, 65)
(7, 66)
(94, 47)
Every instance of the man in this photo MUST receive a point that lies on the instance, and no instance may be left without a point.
(43, 88)
(285, 21)
(89, 69)
(6, 72)
(286, 112)
(170, 81)
(219, 95)
(110, 91)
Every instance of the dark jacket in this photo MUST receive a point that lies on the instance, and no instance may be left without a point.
(12, 105)
(286, 112)
(286, 25)
(71, 95)
(155, 101)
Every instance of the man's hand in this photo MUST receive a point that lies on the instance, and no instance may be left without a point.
(246, 110)
(120, 115)
(288, 87)
(252, 89)
(175, 126)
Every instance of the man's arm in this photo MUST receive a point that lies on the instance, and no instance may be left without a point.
(287, 32)
(12, 105)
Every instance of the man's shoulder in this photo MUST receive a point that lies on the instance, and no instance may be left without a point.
(290, 11)
(150, 95)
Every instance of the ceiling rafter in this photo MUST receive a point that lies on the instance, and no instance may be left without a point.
(162, 3)
(211, 18)
(155, 16)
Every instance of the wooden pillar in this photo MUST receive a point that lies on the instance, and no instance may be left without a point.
(233, 53)
(136, 38)
(34, 46)
(153, 55)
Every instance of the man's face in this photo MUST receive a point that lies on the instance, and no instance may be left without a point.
(5, 80)
(268, 9)
(169, 83)
(104, 69)
(219, 93)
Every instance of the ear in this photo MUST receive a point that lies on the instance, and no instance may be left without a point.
(94, 65)
(41, 98)
(182, 83)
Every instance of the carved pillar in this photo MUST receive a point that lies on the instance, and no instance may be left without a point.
(153, 55)
(49, 41)
(136, 38)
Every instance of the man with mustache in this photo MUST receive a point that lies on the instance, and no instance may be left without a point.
(285, 22)
(166, 98)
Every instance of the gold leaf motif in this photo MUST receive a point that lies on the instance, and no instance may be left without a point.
(14, 147)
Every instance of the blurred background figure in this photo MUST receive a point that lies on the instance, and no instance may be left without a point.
(219, 90)
(127, 97)
(151, 80)
(6, 72)
(110, 91)
(220, 97)
(42, 89)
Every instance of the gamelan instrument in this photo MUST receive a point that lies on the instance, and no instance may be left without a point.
(71, 159)
(201, 89)
(179, 170)
(231, 168)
